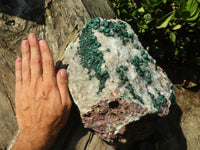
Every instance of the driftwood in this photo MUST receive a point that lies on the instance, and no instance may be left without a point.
(59, 22)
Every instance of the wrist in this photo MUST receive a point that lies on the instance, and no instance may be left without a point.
(36, 141)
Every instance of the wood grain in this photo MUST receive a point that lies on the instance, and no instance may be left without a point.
(59, 25)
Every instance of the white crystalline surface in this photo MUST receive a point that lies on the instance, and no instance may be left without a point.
(133, 78)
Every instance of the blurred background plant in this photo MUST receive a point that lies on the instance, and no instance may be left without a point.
(168, 29)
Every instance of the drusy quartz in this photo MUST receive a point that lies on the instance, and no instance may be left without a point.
(113, 80)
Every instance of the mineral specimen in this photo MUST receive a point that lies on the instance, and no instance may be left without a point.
(113, 80)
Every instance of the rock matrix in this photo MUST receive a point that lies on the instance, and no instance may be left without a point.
(113, 80)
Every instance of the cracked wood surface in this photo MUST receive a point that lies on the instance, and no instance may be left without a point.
(59, 25)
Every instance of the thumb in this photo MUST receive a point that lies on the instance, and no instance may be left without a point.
(62, 83)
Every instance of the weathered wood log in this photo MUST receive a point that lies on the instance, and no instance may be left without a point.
(55, 21)
(59, 22)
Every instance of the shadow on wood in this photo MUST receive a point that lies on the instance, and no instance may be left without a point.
(72, 133)
(26, 9)
(61, 19)
(166, 134)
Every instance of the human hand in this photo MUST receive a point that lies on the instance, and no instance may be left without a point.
(41, 98)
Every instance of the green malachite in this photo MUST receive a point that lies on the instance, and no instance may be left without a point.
(125, 81)
(108, 50)
(172, 97)
(91, 56)
(159, 101)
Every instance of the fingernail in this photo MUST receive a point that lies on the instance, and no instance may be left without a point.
(18, 60)
(25, 44)
(42, 42)
(32, 37)
(63, 73)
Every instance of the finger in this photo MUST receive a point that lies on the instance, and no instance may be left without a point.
(63, 87)
(36, 67)
(26, 72)
(18, 74)
(47, 61)
(18, 84)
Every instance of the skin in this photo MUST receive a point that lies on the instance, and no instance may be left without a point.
(41, 97)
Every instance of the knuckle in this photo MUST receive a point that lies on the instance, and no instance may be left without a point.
(36, 61)
(48, 86)
(25, 51)
(45, 95)
(25, 68)
(18, 80)
(47, 62)
(18, 67)
(66, 109)
(34, 44)
(67, 105)
(62, 83)
(25, 80)
(34, 84)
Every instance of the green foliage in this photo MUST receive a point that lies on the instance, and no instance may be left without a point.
(166, 27)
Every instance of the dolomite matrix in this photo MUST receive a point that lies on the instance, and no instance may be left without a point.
(114, 81)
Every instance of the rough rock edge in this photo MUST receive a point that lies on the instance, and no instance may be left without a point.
(102, 116)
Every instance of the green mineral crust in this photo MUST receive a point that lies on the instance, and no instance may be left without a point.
(91, 56)
(113, 80)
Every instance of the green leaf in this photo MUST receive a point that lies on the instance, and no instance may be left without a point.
(192, 24)
(119, 1)
(147, 17)
(193, 17)
(130, 5)
(128, 20)
(164, 1)
(114, 5)
(124, 11)
(141, 10)
(121, 5)
(133, 13)
(141, 30)
(172, 37)
(192, 7)
(156, 41)
(165, 20)
(156, 4)
(144, 26)
(182, 6)
(178, 26)
(176, 52)
(118, 12)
